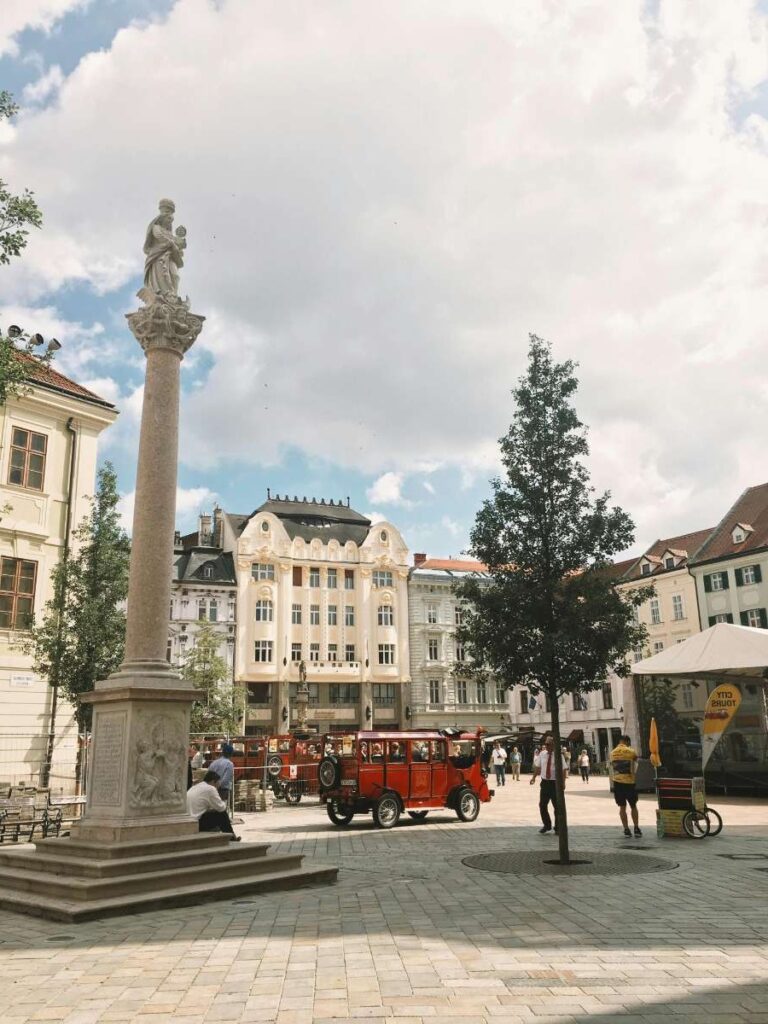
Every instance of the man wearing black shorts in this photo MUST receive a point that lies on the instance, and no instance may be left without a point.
(624, 762)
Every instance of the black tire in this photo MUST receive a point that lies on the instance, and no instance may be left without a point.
(386, 811)
(418, 815)
(274, 765)
(293, 794)
(696, 825)
(329, 773)
(715, 822)
(467, 805)
(338, 813)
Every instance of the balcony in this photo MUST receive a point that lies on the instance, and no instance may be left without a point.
(332, 668)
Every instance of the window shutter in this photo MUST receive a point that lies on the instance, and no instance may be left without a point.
(743, 617)
(729, 618)
(711, 620)
(708, 584)
(758, 574)
(763, 618)
(739, 573)
(725, 580)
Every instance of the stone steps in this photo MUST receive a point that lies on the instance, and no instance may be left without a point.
(77, 847)
(71, 911)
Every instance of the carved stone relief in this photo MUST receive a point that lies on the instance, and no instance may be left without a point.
(159, 761)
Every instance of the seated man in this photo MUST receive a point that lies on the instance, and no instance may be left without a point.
(205, 804)
(396, 753)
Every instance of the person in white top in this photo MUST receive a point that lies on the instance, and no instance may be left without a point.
(499, 762)
(545, 765)
(584, 765)
(205, 804)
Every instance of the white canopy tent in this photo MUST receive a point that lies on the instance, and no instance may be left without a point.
(720, 652)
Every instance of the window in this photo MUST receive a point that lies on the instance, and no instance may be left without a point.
(231, 611)
(349, 579)
(637, 654)
(501, 693)
(314, 577)
(208, 572)
(27, 459)
(578, 702)
(213, 610)
(716, 581)
(523, 702)
(383, 536)
(658, 647)
(259, 693)
(677, 607)
(17, 593)
(264, 526)
(461, 654)
(482, 693)
(386, 618)
(349, 615)
(314, 652)
(202, 610)
(381, 578)
(686, 692)
(332, 615)
(263, 571)
(386, 654)
(458, 615)
(461, 691)
(645, 569)
(349, 652)
(295, 652)
(754, 617)
(384, 694)
(297, 576)
(433, 649)
(332, 579)
(547, 703)
(431, 614)
(296, 614)
(314, 615)
(655, 611)
(607, 696)
(723, 617)
(333, 652)
(262, 650)
(669, 562)
(434, 691)
(344, 693)
(265, 611)
(749, 574)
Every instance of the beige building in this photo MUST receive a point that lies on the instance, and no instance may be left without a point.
(319, 583)
(47, 470)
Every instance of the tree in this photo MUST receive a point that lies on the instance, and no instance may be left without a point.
(20, 365)
(549, 616)
(82, 633)
(219, 709)
(17, 212)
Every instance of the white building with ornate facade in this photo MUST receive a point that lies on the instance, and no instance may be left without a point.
(320, 583)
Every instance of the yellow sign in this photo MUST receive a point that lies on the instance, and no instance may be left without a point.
(722, 705)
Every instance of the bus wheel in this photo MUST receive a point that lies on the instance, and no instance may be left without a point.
(467, 805)
(292, 795)
(386, 811)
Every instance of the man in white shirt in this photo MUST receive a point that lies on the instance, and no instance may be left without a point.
(545, 765)
(205, 804)
(499, 762)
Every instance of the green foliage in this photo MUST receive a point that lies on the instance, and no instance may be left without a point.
(82, 634)
(220, 709)
(19, 364)
(17, 212)
(658, 700)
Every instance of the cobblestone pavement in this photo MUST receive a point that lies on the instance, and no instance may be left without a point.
(410, 934)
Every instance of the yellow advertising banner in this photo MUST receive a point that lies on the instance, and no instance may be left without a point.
(722, 705)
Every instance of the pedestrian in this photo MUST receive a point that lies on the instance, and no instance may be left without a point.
(499, 761)
(225, 770)
(197, 757)
(624, 762)
(584, 765)
(205, 804)
(545, 765)
(515, 760)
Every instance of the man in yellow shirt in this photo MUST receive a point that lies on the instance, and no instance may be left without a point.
(624, 762)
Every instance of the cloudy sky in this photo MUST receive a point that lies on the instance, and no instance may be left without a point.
(382, 201)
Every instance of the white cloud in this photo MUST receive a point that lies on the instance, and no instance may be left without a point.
(387, 490)
(189, 502)
(47, 84)
(18, 15)
(417, 189)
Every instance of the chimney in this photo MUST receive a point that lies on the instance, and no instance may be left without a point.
(177, 539)
(217, 527)
(204, 530)
(419, 558)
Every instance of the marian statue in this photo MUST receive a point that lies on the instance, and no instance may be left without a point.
(164, 250)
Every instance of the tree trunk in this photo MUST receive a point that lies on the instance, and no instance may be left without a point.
(562, 817)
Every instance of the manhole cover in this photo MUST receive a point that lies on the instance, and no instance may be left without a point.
(584, 862)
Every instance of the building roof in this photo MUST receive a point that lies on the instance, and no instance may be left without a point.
(188, 567)
(326, 520)
(749, 510)
(453, 565)
(46, 377)
(616, 570)
(685, 545)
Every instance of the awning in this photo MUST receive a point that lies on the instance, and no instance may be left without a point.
(575, 736)
(721, 650)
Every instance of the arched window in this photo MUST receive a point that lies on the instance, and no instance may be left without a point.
(264, 611)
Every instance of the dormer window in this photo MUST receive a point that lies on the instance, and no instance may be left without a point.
(208, 572)
(645, 568)
(738, 535)
(669, 562)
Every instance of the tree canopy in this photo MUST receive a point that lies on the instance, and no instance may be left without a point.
(220, 707)
(20, 212)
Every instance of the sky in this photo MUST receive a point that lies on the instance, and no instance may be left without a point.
(382, 202)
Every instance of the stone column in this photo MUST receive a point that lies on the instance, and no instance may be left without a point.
(138, 768)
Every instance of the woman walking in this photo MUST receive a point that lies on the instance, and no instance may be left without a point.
(584, 766)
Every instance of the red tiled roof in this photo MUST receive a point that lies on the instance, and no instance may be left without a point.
(751, 507)
(685, 545)
(452, 564)
(617, 569)
(47, 377)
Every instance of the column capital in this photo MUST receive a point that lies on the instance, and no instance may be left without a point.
(165, 323)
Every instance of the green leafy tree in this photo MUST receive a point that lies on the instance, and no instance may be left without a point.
(657, 697)
(20, 363)
(18, 213)
(81, 637)
(220, 708)
(549, 617)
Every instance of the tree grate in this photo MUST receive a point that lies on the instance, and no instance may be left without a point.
(583, 862)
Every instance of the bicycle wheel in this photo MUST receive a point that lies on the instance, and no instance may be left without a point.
(696, 825)
(715, 822)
